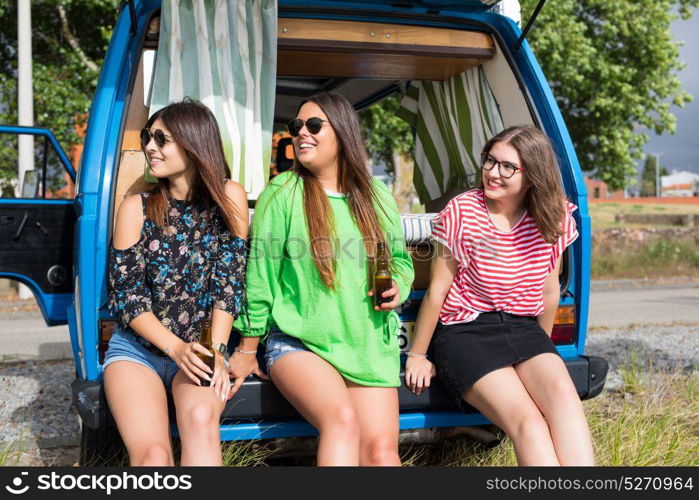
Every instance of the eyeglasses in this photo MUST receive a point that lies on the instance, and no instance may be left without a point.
(505, 168)
(313, 125)
(157, 135)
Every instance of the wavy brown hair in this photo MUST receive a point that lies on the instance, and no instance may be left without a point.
(354, 179)
(194, 129)
(544, 199)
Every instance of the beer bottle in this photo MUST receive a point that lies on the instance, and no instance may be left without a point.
(382, 277)
(205, 341)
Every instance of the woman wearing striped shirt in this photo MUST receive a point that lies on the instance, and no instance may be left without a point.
(492, 301)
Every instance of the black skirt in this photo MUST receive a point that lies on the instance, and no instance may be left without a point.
(465, 352)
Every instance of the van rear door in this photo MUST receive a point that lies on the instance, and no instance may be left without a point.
(36, 227)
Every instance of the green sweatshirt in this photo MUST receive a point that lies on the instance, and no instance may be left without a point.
(284, 287)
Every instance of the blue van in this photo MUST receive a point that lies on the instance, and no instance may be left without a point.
(367, 50)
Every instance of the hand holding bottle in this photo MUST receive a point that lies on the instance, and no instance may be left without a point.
(187, 356)
(390, 297)
(385, 292)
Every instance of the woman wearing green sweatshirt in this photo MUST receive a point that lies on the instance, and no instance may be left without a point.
(330, 351)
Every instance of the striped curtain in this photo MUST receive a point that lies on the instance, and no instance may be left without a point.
(224, 53)
(453, 119)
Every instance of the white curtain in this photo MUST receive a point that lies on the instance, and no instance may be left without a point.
(224, 53)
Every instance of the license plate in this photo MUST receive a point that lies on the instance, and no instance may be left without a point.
(405, 336)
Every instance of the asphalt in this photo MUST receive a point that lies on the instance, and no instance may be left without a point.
(626, 305)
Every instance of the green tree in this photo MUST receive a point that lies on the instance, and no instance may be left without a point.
(650, 175)
(391, 140)
(613, 69)
(386, 134)
(69, 41)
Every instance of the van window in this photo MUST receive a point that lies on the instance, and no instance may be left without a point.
(43, 175)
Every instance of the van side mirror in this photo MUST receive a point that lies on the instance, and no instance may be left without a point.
(30, 184)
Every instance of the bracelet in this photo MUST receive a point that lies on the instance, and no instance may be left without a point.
(237, 349)
(416, 355)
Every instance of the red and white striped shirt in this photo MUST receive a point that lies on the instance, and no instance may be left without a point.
(496, 270)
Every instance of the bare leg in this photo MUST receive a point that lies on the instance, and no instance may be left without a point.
(377, 413)
(318, 392)
(547, 380)
(198, 413)
(137, 400)
(502, 398)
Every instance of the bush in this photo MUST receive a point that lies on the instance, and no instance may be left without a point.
(658, 258)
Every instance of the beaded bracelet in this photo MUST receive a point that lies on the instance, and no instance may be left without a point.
(416, 355)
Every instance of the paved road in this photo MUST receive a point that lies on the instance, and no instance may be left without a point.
(619, 307)
(29, 338)
(613, 304)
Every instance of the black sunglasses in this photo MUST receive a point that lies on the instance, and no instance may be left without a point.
(313, 125)
(157, 135)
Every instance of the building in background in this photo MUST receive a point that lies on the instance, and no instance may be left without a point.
(597, 189)
(682, 184)
(511, 9)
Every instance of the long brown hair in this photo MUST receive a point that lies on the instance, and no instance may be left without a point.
(354, 179)
(544, 199)
(194, 129)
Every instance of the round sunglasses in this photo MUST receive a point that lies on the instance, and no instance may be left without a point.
(157, 135)
(313, 125)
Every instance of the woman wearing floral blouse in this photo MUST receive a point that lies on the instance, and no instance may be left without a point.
(178, 252)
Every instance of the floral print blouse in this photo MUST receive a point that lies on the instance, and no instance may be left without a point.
(178, 273)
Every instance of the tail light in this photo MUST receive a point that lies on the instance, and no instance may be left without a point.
(564, 326)
(105, 330)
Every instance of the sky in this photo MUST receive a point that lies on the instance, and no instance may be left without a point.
(681, 150)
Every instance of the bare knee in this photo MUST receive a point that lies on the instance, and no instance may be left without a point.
(157, 454)
(564, 401)
(200, 421)
(201, 416)
(341, 422)
(527, 426)
(380, 451)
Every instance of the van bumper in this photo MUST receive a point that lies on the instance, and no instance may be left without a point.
(259, 399)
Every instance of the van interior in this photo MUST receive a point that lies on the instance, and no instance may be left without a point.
(366, 62)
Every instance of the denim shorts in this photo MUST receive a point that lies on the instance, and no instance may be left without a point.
(123, 346)
(278, 344)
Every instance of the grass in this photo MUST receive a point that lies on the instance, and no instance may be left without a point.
(245, 454)
(11, 452)
(652, 421)
(658, 258)
(602, 214)
(235, 454)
